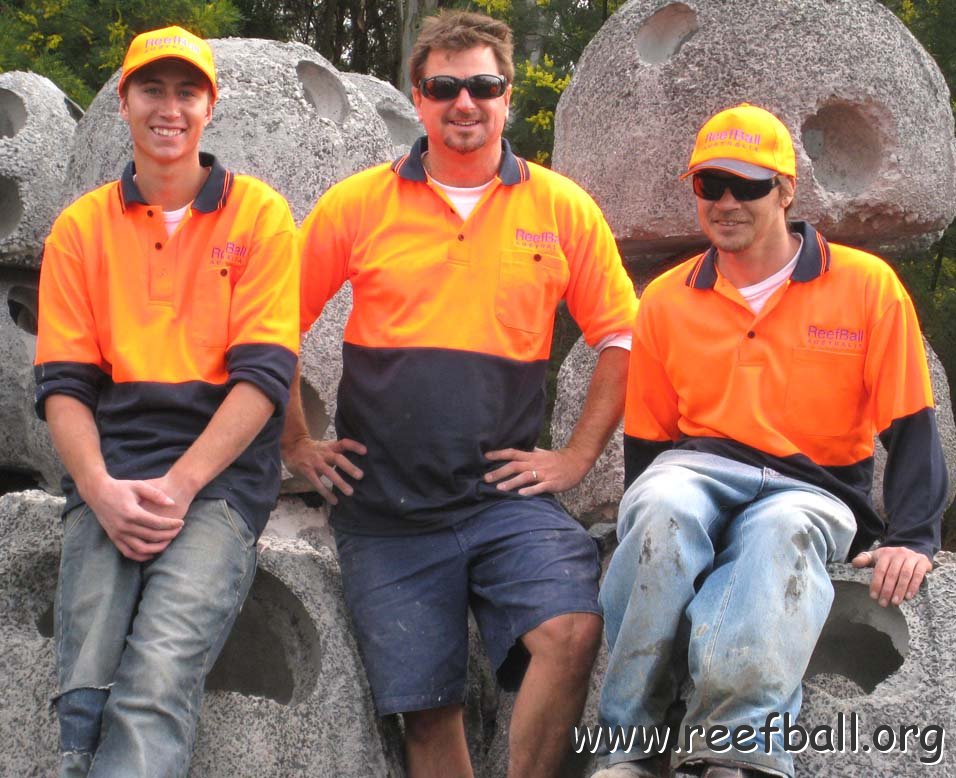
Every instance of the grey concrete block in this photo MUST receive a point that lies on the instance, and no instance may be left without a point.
(37, 122)
(395, 108)
(25, 444)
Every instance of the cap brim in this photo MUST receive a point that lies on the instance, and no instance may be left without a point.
(734, 166)
(126, 74)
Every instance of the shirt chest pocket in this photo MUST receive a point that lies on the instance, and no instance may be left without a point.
(826, 396)
(210, 305)
(530, 285)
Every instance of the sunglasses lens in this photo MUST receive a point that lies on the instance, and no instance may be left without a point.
(441, 87)
(709, 187)
(486, 87)
(482, 87)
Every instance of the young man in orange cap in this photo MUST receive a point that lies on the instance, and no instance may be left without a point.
(167, 341)
(760, 372)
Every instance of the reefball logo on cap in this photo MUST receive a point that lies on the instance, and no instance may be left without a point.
(745, 141)
(174, 42)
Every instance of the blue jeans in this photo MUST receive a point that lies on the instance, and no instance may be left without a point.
(720, 576)
(135, 641)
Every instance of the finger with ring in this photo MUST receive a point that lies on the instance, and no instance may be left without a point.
(534, 476)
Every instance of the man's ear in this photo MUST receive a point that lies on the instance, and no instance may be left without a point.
(788, 190)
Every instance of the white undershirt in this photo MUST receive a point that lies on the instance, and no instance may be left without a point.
(173, 218)
(757, 294)
(464, 198)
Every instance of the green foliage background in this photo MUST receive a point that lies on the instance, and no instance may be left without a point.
(79, 43)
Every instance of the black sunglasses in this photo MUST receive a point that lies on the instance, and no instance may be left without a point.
(712, 187)
(483, 87)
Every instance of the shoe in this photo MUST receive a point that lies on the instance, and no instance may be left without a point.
(644, 768)
(711, 770)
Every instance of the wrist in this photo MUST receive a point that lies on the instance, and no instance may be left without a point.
(180, 486)
(91, 482)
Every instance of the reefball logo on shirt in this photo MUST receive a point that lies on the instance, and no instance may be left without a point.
(540, 241)
(835, 338)
(230, 255)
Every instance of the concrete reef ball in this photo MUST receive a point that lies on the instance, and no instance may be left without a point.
(396, 110)
(868, 109)
(37, 123)
(284, 115)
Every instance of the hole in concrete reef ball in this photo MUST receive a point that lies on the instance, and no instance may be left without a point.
(402, 130)
(665, 31)
(845, 146)
(316, 414)
(860, 641)
(323, 90)
(273, 650)
(13, 113)
(17, 481)
(11, 206)
(23, 304)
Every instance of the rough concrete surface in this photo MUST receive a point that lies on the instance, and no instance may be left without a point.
(37, 122)
(284, 115)
(867, 107)
(288, 696)
(321, 363)
(25, 444)
(396, 110)
(597, 496)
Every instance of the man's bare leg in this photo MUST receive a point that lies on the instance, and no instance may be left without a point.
(435, 745)
(553, 693)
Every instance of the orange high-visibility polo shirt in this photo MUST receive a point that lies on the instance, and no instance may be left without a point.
(802, 387)
(151, 331)
(447, 344)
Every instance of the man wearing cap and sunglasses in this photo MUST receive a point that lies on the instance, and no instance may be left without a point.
(760, 372)
(458, 255)
(167, 340)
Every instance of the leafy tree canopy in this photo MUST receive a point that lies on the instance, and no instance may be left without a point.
(78, 44)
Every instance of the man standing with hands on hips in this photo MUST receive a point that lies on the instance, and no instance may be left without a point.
(459, 254)
(760, 372)
(167, 340)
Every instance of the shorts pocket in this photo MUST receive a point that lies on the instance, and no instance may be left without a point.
(825, 392)
(530, 285)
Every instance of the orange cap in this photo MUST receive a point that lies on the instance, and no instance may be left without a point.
(172, 42)
(746, 141)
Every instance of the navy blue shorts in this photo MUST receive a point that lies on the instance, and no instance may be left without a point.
(516, 564)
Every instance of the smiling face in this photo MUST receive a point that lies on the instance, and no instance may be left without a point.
(463, 125)
(167, 105)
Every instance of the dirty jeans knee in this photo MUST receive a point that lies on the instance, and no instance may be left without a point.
(80, 712)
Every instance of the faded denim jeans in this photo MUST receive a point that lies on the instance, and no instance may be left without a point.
(135, 641)
(720, 577)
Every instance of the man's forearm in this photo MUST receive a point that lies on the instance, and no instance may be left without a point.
(76, 439)
(295, 427)
(603, 406)
(235, 424)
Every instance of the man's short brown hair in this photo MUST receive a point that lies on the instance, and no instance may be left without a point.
(459, 31)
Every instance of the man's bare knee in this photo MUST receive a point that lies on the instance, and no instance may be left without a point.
(572, 640)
